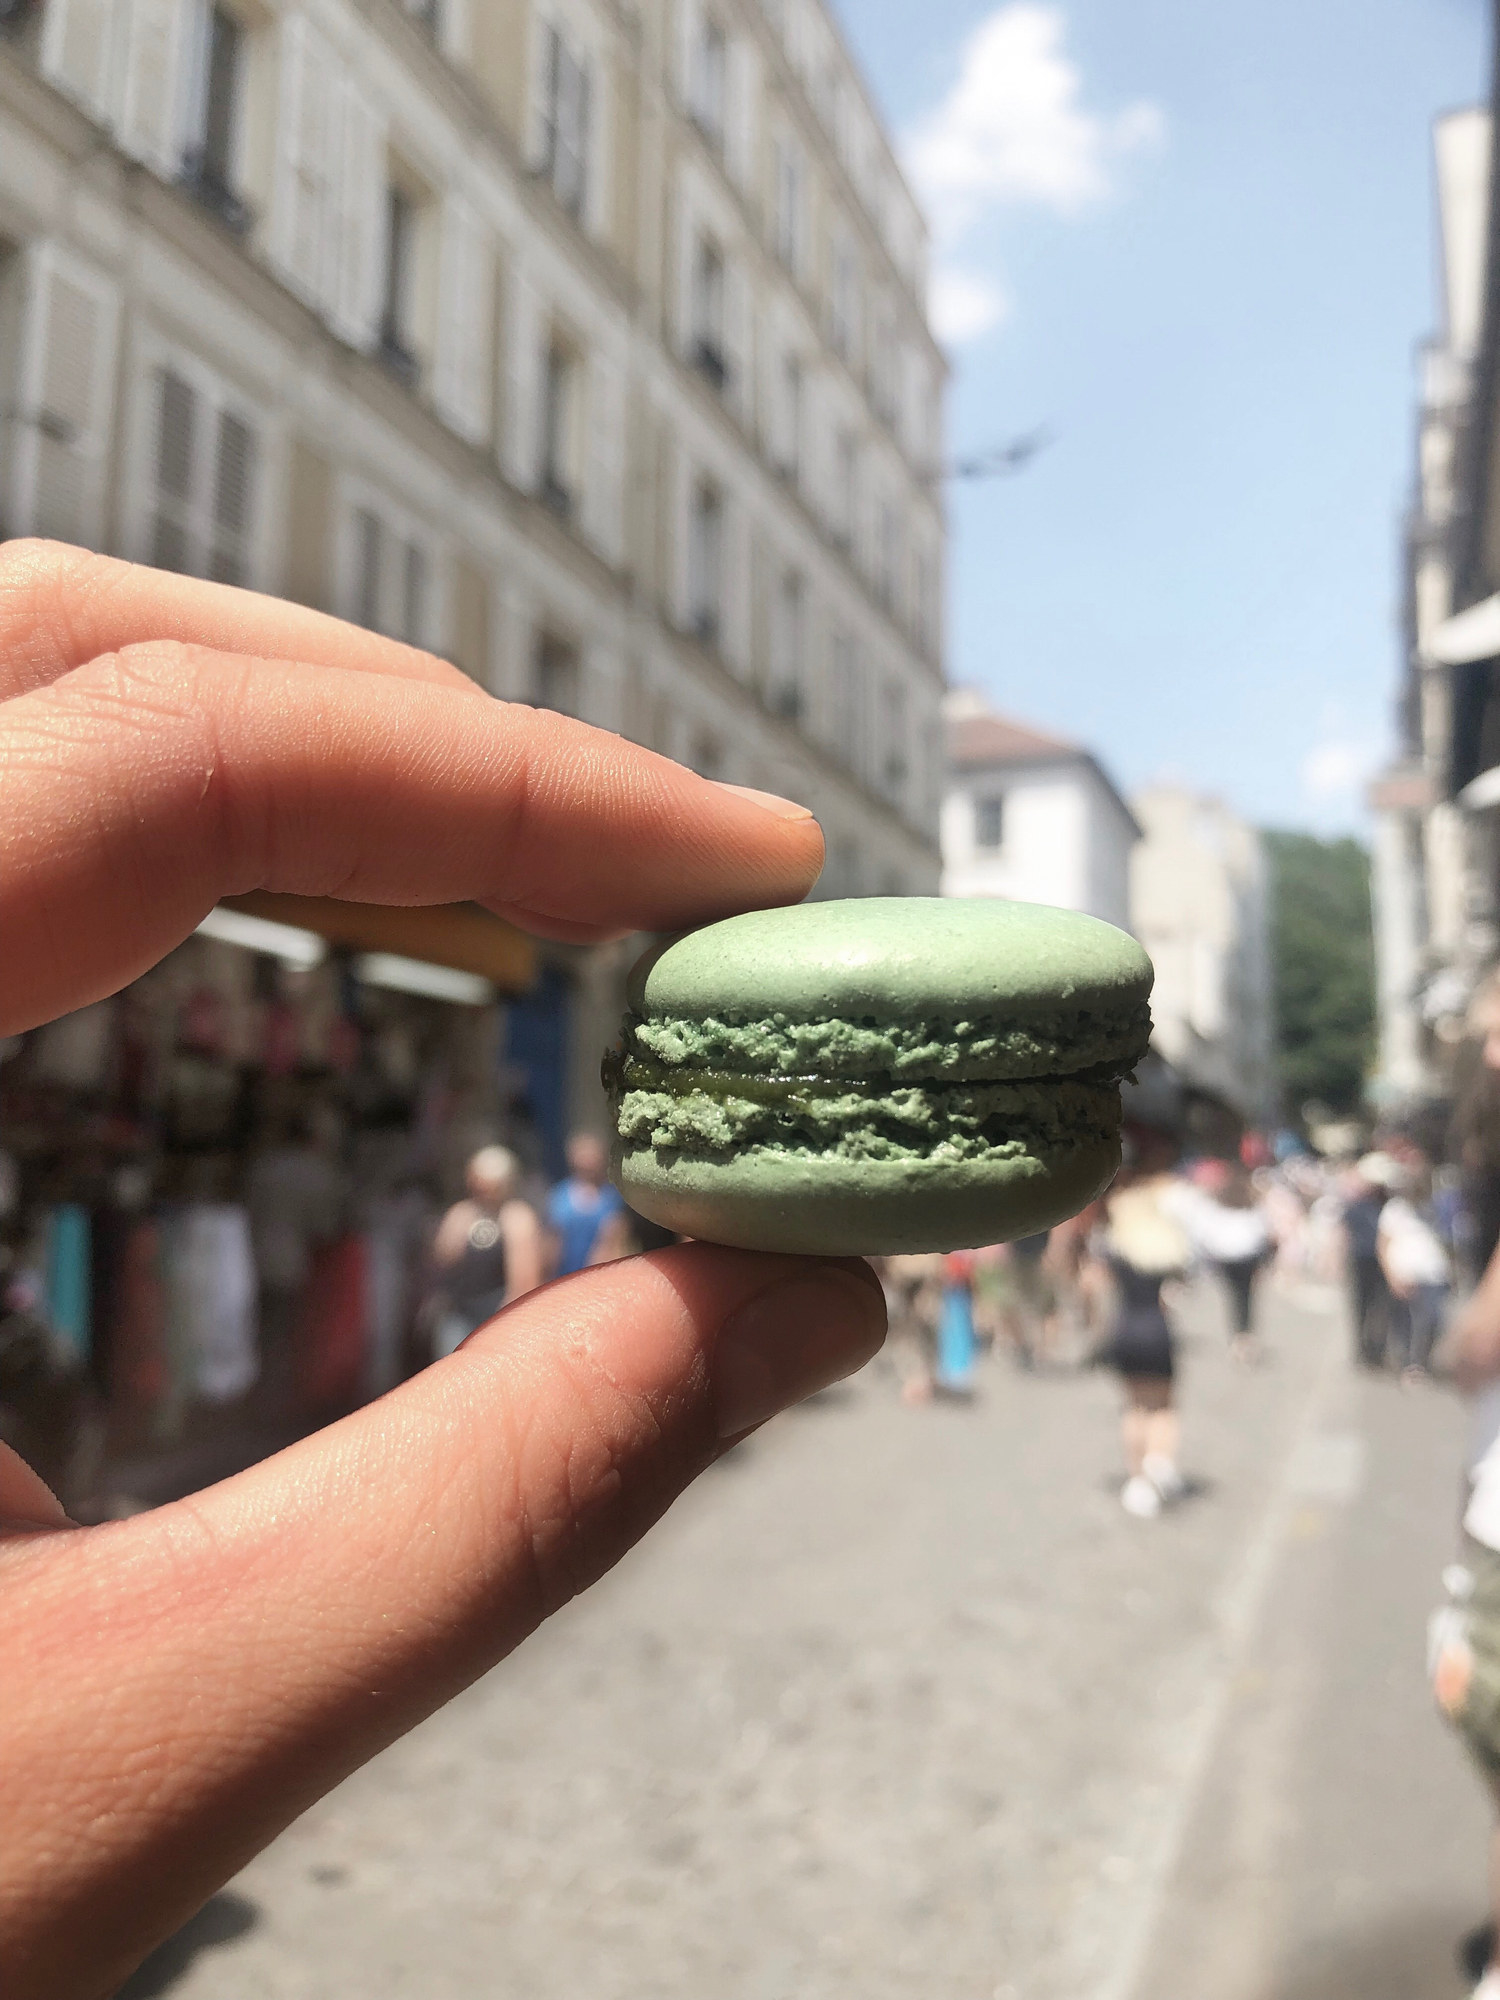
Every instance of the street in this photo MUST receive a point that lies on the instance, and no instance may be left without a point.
(899, 1702)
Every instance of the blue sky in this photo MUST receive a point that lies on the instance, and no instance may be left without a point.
(1196, 241)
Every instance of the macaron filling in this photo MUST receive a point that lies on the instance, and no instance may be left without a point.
(1065, 1043)
(862, 1090)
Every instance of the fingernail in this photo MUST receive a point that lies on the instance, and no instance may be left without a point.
(783, 808)
(793, 1339)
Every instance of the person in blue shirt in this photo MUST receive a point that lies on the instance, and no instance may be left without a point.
(579, 1207)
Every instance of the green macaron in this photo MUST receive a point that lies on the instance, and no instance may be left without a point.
(890, 1074)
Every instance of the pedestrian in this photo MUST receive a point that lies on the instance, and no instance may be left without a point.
(957, 1349)
(488, 1250)
(913, 1286)
(1366, 1192)
(581, 1205)
(1227, 1229)
(1417, 1269)
(1143, 1244)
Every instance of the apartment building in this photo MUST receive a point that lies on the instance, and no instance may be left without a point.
(1032, 816)
(581, 341)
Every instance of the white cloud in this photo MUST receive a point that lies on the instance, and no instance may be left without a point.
(1013, 129)
(1335, 772)
(963, 305)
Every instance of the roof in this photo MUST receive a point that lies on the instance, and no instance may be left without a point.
(979, 740)
(994, 739)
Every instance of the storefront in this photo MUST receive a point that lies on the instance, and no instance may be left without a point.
(218, 1188)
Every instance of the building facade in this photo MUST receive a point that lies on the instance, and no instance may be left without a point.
(1198, 900)
(1032, 817)
(580, 341)
(1432, 900)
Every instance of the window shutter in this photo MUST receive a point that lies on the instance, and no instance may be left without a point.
(67, 377)
(465, 312)
(233, 500)
(739, 345)
(302, 234)
(523, 355)
(603, 496)
(357, 215)
(176, 452)
(741, 79)
(78, 50)
(154, 49)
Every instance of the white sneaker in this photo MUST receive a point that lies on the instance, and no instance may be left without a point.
(1164, 1476)
(1140, 1498)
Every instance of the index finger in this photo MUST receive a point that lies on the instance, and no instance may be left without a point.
(61, 606)
(140, 789)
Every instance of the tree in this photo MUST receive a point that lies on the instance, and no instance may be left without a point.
(1323, 969)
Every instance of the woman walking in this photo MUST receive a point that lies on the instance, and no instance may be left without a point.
(1143, 1245)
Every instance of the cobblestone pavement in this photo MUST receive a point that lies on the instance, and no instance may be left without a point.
(898, 1702)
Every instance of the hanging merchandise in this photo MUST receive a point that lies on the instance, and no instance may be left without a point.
(138, 1376)
(69, 1278)
(74, 1052)
(211, 1300)
(330, 1337)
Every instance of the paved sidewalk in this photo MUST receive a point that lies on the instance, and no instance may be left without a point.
(899, 1703)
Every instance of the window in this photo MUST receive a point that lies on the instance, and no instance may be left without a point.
(396, 314)
(883, 366)
(789, 196)
(216, 90)
(895, 766)
(710, 66)
(843, 299)
(708, 312)
(791, 415)
(847, 711)
(565, 123)
(427, 14)
(558, 679)
(706, 755)
(204, 481)
(989, 821)
(787, 647)
(705, 561)
(559, 424)
(845, 463)
(887, 552)
(392, 579)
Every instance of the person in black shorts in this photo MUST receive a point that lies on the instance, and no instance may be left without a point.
(1143, 1246)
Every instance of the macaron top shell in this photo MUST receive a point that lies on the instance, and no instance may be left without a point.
(884, 956)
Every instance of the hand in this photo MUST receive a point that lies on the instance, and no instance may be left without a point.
(179, 1686)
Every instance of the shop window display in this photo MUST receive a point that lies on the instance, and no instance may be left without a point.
(217, 1197)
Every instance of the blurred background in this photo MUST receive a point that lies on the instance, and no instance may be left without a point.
(1057, 443)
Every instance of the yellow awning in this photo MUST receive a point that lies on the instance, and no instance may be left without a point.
(461, 935)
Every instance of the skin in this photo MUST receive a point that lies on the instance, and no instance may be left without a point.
(180, 1685)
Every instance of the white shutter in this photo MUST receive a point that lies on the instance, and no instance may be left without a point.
(358, 207)
(606, 427)
(465, 312)
(741, 87)
(302, 235)
(739, 342)
(523, 355)
(78, 50)
(688, 30)
(154, 46)
(66, 394)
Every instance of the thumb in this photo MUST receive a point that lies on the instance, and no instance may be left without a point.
(195, 1677)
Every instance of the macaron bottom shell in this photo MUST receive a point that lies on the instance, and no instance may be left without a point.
(813, 1204)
